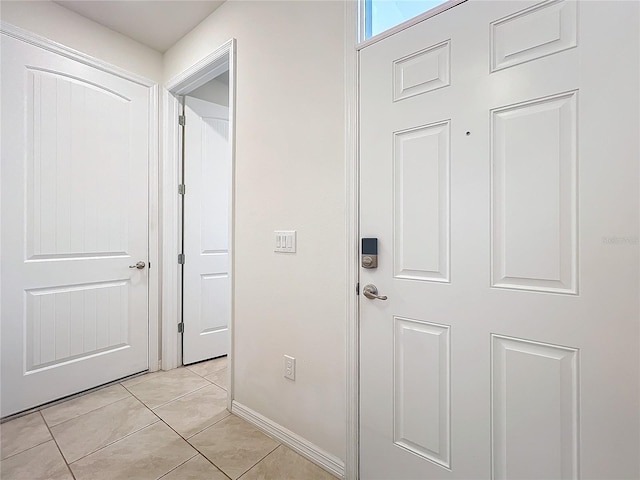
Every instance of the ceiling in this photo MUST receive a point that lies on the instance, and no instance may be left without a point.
(223, 78)
(156, 23)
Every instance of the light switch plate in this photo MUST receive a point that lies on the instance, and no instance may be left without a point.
(285, 241)
(289, 367)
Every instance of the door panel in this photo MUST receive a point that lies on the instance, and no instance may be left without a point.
(543, 29)
(422, 389)
(421, 203)
(499, 169)
(534, 237)
(75, 153)
(68, 118)
(542, 381)
(207, 288)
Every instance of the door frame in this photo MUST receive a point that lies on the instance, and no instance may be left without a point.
(193, 77)
(153, 163)
(353, 14)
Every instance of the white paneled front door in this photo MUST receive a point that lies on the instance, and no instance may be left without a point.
(75, 159)
(207, 176)
(499, 171)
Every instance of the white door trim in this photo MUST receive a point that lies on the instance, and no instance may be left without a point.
(154, 246)
(190, 79)
(351, 15)
(55, 47)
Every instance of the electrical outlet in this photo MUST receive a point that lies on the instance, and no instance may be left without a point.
(289, 367)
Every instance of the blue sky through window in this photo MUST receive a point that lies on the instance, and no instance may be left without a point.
(381, 15)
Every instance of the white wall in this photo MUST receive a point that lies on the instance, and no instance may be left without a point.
(213, 91)
(289, 175)
(56, 23)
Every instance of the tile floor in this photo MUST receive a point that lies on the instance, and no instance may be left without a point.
(171, 425)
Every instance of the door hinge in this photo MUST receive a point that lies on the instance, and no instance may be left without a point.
(358, 288)
(181, 327)
(181, 259)
(182, 120)
(181, 189)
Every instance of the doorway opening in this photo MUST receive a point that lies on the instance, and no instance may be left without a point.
(205, 172)
(198, 198)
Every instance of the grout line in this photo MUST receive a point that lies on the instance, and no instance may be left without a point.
(173, 400)
(140, 375)
(205, 361)
(57, 446)
(32, 446)
(208, 426)
(206, 377)
(158, 416)
(196, 448)
(193, 446)
(26, 449)
(60, 401)
(208, 374)
(85, 413)
(208, 459)
(215, 466)
(269, 453)
(111, 443)
(144, 374)
(177, 466)
(219, 386)
(161, 420)
(214, 383)
(130, 394)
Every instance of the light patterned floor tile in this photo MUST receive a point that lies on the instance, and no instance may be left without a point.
(85, 434)
(233, 445)
(198, 468)
(142, 378)
(111, 434)
(23, 433)
(285, 463)
(146, 455)
(209, 367)
(84, 404)
(196, 411)
(37, 463)
(167, 387)
(220, 378)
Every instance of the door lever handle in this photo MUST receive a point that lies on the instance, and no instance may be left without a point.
(139, 265)
(371, 291)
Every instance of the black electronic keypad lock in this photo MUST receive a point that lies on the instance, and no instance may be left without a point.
(369, 253)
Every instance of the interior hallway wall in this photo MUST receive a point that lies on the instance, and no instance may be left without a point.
(289, 176)
(63, 26)
(213, 91)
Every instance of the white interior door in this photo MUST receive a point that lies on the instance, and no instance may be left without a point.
(75, 153)
(499, 171)
(207, 177)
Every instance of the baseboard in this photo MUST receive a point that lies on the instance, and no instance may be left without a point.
(295, 442)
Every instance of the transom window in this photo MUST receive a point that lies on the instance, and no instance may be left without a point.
(382, 15)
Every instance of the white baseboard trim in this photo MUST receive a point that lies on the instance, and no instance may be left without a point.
(330, 463)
